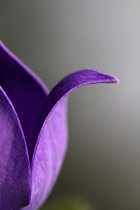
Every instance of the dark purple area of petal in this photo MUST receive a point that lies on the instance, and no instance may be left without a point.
(26, 92)
(15, 172)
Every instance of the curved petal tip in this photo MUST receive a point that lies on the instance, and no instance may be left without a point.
(116, 80)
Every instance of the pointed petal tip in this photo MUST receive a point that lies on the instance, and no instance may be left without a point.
(97, 76)
(111, 80)
(115, 80)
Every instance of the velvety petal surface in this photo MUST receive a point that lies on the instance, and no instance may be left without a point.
(52, 140)
(26, 92)
(15, 173)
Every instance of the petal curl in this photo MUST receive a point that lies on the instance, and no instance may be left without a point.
(52, 140)
(15, 173)
(26, 92)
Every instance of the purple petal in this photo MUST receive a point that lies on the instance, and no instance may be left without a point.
(15, 189)
(26, 92)
(52, 141)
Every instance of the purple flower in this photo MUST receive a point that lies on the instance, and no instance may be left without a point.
(33, 131)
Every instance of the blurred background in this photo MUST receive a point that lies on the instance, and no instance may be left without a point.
(55, 38)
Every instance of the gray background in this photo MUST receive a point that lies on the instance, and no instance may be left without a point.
(57, 37)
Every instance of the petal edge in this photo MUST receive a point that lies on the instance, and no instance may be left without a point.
(15, 172)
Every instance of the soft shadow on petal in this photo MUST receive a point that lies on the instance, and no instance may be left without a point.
(52, 140)
(26, 92)
(15, 172)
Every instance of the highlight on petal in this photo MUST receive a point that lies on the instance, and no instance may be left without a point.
(26, 92)
(15, 183)
(52, 140)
